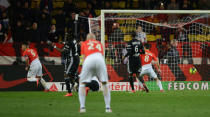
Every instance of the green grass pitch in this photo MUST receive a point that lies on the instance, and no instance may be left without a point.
(124, 104)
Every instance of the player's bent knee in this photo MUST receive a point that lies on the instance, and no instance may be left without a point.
(104, 83)
(82, 84)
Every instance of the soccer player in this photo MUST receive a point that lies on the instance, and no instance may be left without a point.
(33, 66)
(146, 60)
(93, 65)
(134, 49)
(71, 62)
(141, 36)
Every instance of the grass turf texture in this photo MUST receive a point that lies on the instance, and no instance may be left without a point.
(124, 104)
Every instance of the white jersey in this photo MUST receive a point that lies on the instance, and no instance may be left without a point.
(141, 36)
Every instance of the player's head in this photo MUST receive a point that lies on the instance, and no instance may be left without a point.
(90, 36)
(69, 37)
(147, 46)
(139, 29)
(25, 45)
(173, 43)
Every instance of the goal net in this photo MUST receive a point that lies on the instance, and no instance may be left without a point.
(180, 40)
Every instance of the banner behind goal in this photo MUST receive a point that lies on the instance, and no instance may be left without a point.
(180, 40)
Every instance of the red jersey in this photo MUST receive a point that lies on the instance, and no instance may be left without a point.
(91, 46)
(147, 58)
(31, 54)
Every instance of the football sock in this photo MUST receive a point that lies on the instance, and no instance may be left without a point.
(106, 93)
(145, 87)
(67, 81)
(82, 95)
(141, 81)
(130, 78)
(159, 84)
(43, 83)
(140, 84)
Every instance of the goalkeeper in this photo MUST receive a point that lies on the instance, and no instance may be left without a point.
(134, 49)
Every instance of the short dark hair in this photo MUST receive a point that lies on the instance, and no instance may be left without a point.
(147, 46)
(25, 43)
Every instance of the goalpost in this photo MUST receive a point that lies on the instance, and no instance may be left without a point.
(185, 33)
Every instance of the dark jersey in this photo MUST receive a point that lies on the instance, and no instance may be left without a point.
(134, 48)
(71, 49)
(72, 60)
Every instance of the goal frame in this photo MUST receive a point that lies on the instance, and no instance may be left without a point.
(144, 11)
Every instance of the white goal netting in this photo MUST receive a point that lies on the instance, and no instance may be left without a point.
(180, 41)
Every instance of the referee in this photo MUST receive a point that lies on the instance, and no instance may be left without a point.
(70, 51)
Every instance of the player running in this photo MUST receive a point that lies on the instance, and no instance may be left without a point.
(146, 60)
(72, 60)
(33, 66)
(93, 65)
(134, 49)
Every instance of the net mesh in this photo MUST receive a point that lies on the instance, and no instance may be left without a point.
(180, 41)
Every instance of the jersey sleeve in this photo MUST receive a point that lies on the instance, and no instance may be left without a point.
(25, 53)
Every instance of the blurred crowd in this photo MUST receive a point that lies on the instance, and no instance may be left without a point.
(43, 23)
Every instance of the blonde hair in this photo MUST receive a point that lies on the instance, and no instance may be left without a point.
(90, 36)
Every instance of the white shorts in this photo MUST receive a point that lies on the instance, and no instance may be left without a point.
(35, 69)
(94, 65)
(150, 72)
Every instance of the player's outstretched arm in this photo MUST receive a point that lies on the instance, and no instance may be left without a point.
(60, 50)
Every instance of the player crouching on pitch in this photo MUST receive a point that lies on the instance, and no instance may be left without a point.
(93, 65)
(33, 66)
(146, 60)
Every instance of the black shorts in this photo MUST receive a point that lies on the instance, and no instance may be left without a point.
(134, 64)
(72, 65)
